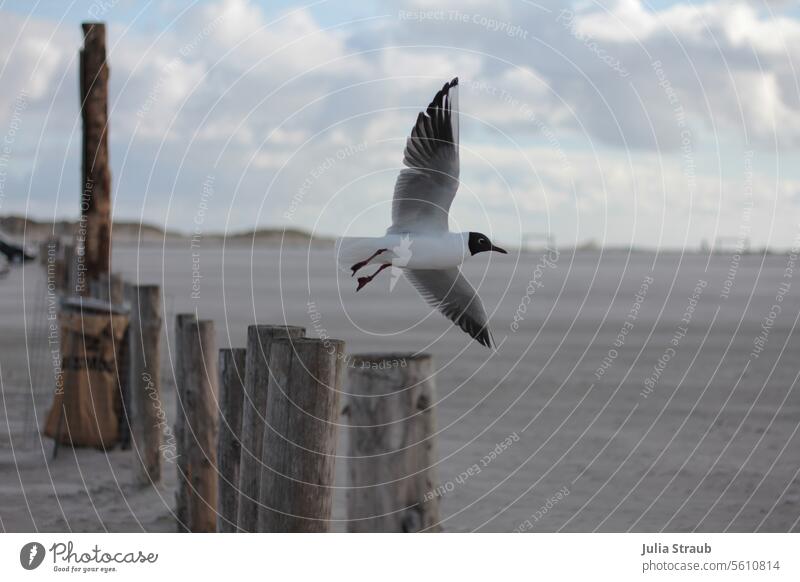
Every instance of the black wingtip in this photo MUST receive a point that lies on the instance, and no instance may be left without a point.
(449, 85)
(438, 102)
(484, 337)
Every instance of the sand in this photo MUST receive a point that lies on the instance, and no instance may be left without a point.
(707, 440)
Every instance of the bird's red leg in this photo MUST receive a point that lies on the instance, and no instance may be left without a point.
(364, 280)
(361, 264)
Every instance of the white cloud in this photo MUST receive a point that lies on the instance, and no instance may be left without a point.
(33, 58)
(289, 45)
(730, 62)
(262, 99)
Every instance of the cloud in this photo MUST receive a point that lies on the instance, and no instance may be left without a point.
(731, 64)
(608, 121)
(33, 57)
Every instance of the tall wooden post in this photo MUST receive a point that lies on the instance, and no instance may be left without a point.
(257, 380)
(182, 409)
(200, 361)
(94, 229)
(149, 418)
(232, 364)
(296, 491)
(392, 455)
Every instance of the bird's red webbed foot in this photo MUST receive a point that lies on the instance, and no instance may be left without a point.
(364, 263)
(364, 280)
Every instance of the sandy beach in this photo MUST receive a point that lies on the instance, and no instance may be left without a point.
(631, 392)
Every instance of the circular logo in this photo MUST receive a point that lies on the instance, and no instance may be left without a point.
(31, 555)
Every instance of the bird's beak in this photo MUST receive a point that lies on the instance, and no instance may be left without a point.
(499, 250)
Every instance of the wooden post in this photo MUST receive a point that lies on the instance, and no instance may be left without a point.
(125, 416)
(257, 379)
(94, 232)
(149, 416)
(392, 454)
(70, 271)
(182, 409)
(300, 440)
(232, 365)
(61, 273)
(200, 361)
(112, 289)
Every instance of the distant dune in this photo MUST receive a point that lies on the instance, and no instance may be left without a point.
(126, 232)
(134, 232)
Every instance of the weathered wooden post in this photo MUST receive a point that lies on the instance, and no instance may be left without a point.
(257, 379)
(392, 454)
(296, 492)
(182, 408)
(232, 365)
(200, 361)
(69, 270)
(149, 417)
(94, 231)
(61, 272)
(125, 413)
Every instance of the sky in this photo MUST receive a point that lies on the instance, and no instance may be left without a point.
(622, 122)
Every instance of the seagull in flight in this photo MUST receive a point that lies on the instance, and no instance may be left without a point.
(419, 240)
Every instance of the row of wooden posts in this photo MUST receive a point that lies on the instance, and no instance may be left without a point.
(255, 436)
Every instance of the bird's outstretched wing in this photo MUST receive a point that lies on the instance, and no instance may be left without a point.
(448, 291)
(425, 189)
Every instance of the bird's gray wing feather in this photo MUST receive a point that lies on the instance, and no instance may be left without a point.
(448, 291)
(425, 189)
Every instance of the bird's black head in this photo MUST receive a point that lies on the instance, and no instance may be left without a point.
(479, 243)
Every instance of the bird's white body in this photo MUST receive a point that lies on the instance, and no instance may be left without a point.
(418, 240)
(408, 251)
